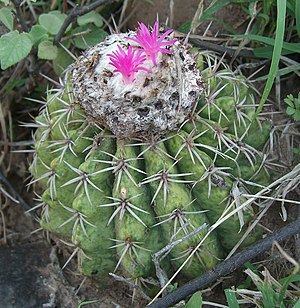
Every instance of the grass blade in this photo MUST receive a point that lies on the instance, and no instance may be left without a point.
(297, 16)
(195, 301)
(281, 10)
(288, 47)
(231, 299)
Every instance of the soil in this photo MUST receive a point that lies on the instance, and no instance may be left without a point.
(31, 260)
(178, 13)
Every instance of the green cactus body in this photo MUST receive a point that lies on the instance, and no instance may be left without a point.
(136, 236)
(243, 160)
(211, 190)
(130, 168)
(94, 235)
(55, 216)
(179, 213)
(214, 195)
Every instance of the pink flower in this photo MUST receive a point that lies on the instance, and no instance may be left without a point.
(151, 43)
(127, 63)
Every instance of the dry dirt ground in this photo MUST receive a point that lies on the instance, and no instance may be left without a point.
(30, 259)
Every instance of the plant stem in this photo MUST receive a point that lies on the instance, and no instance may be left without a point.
(74, 14)
(20, 15)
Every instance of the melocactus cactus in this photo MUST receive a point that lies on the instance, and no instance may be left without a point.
(146, 145)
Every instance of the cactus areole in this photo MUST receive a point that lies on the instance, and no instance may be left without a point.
(144, 147)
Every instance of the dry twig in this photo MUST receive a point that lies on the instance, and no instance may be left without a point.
(75, 13)
(227, 266)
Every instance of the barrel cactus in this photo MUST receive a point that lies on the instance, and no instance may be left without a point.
(146, 144)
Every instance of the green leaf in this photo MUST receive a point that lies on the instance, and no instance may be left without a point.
(283, 71)
(93, 36)
(91, 17)
(87, 303)
(38, 34)
(291, 47)
(297, 15)
(207, 14)
(62, 61)
(290, 110)
(231, 299)
(297, 305)
(15, 84)
(61, 17)
(47, 51)
(185, 28)
(195, 301)
(280, 28)
(288, 102)
(297, 151)
(213, 8)
(270, 297)
(293, 277)
(14, 47)
(297, 115)
(252, 9)
(7, 18)
(6, 2)
(266, 52)
(52, 21)
(251, 266)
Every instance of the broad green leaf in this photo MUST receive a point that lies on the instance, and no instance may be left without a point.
(93, 36)
(62, 18)
(52, 21)
(297, 115)
(290, 110)
(47, 51)
(62, 61)
(288, 102)
(38, 34)
(91, 17)
(6, 2)
(195, 301)
(7, 18)
(14, 47)
(59, 15)
(297, 305)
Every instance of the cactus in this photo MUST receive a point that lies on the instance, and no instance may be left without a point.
(141, 148)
